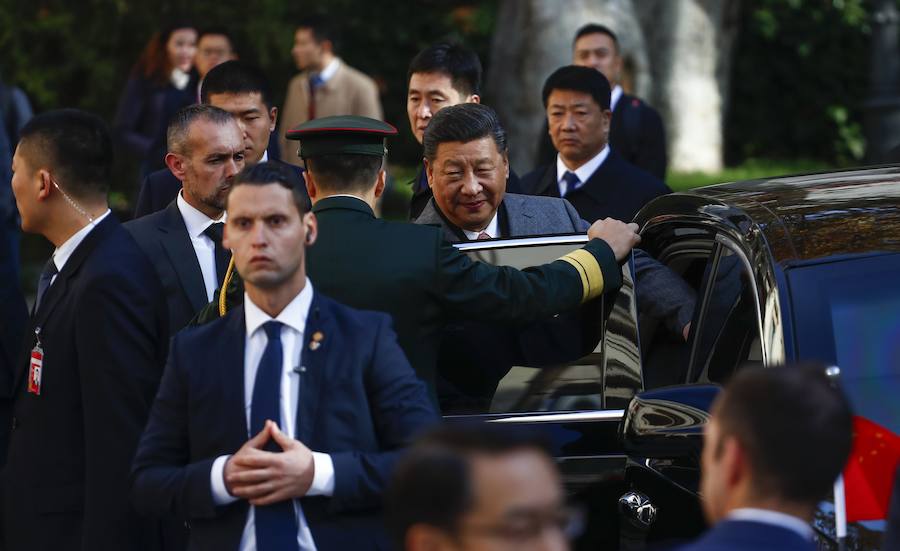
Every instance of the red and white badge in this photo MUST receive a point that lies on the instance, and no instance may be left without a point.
(35, 370)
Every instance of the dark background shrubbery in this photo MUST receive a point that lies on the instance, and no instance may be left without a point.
(799, 71)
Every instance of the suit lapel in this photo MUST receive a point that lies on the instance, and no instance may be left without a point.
(547, 184)
(520, 217)
(319, 343)
(231, 355)
(177, 244)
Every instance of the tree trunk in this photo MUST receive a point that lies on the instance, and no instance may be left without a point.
(690, 43)
(533, 38)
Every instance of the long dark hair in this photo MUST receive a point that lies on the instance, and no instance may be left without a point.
(154, 63)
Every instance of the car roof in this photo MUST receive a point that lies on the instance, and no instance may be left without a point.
(803, 217)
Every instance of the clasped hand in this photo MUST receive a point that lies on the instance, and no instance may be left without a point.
(263, 477)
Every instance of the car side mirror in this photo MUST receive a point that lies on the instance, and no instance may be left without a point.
(667, 423)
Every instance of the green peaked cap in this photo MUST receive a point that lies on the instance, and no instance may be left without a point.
(346, 134)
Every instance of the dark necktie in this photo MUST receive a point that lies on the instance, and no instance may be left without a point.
(572, 182)
(223, 257)
(44, 282)
(276, 524)
(483, 235)
(314, 83)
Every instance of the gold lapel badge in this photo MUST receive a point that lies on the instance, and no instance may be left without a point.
(316, 341)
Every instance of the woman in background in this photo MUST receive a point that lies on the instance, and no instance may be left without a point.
(161, 82)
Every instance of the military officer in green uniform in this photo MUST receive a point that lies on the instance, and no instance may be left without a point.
(410, 271)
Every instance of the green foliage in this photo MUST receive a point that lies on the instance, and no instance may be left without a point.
(752, 169)
(79, 54)
(800, 76)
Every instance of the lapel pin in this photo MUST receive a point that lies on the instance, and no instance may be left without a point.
(316, 341)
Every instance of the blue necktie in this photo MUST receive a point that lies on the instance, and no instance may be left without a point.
(276, 524)
(572, 182)
(44, 282)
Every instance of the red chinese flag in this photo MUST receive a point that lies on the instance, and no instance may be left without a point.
(869, 474)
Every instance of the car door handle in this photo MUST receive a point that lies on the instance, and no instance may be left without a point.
(638, 509)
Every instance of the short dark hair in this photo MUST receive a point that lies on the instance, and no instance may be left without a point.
(181, 121)
(432, 482)
(596, 28)
(218, 31)
(263, 174)
(454, 60)
(579, 79)
(235, 77)
(321, 27)
(795, 425)
(75, 145)
(345, 172)
(463, 122)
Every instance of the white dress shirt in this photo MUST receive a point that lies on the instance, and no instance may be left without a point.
(62, 253)
(775, 518)
(615, 96)
(492, 229)
(329, 70)
(204, 248)
(293, 318)
(583, 172)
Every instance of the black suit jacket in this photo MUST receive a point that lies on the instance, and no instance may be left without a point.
(164, 239)
(104, 336)
(747, 535)
(636, 133)
(616, 189)
(359, 401)
(161, 187)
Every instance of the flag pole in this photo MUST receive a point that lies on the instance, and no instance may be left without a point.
(840, 512)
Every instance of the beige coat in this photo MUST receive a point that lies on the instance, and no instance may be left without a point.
(348, 92)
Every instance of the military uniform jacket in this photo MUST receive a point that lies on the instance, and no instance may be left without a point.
(412, 273)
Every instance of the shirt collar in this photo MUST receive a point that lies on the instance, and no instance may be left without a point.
(63, 252)
(614, 97)
(195, 221)
(491, 229)
(265, 156)
(585, 171)
(293, 315)
(775, 518)
(329, 70)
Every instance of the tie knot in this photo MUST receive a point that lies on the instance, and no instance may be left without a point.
(315, 81)
(483, 235)
(571, 178)
(273, 330)
(214, 231)
(50, 269)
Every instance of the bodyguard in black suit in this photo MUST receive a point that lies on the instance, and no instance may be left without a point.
(82, 391)
(343, 396)
(243, 91)
(587, 172)
(440, 76)
(636, 131)
(184, 241)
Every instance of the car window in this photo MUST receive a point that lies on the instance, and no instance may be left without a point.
(726, 334)
(557, 364)
(848, 314)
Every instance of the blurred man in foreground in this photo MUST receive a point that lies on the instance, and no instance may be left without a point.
(473, 487)
(777, 440)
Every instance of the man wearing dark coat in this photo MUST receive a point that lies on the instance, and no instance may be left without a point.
(587, 171)
(241, 90)
(636, 130)
(81, 391)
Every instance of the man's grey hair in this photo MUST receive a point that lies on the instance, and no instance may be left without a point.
(180, 124)
(463, 123)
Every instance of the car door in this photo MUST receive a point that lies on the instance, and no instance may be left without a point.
(576, 403)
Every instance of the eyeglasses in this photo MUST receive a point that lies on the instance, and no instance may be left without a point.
(530, 525)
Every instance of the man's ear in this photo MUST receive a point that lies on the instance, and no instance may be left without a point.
(273, 119)
(43, 183)
(474, 98)
(310, 185)
(734, 461)
(379, 185)
(177, 165)
(311, 225)
(506, 165)
(429, 171)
